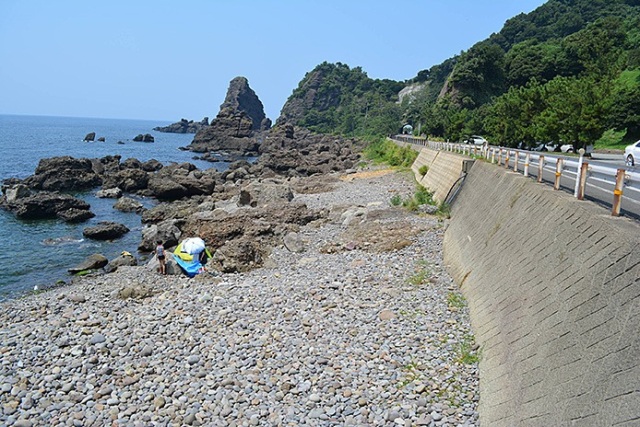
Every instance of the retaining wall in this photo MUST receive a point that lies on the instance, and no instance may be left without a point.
(444, 171)
(553, 287)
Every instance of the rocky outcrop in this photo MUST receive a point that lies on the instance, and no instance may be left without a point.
(241, 98)
(181, 180)
(45, 205)
(144, 138)
(231, 131)
(63, 174)
(127, 204)
(75, 215)
(105, 230)
(90, 137)
(296, 151)
(237, 126)
(184, 126)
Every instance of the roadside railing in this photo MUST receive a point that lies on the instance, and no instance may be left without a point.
(621, 185)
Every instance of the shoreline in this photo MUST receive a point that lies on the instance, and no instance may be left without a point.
(358, 329)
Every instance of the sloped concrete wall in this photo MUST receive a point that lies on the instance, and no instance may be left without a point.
(444, 170)
(553, 286)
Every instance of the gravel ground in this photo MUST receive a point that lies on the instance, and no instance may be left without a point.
(346, 336)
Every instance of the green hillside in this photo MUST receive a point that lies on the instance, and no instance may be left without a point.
(568, 71)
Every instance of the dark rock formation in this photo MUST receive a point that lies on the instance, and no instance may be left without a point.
(75, 215)
(127, 204)
(63, 174)
(299, 152)
(90, 136)
(144, 138)
(230, 131)
(184, 126)
(181, 180)
(236, 127)
(101, 139)
(92, 262)
(105, 230)
(45, 205)
(241, 98)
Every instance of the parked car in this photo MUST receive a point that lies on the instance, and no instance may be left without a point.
(567, 148)
(632, 153)
(477, 140)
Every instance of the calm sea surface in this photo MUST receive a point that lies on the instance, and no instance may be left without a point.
(40, 252)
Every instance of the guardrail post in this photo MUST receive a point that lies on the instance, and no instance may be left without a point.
(540, 167)
(584, 169)
(579, 171)
(515, 162)
(617, 193)
(499, 156)
(506, 159)
(556, 184)
(527, 158)
(493, 155)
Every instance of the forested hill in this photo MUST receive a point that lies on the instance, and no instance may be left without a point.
(569, 70)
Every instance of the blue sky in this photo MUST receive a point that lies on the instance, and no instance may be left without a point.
(164, 60)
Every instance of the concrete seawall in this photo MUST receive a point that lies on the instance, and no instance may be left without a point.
(553, 286)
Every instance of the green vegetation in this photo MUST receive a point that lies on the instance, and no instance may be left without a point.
(396, 200)
(383, 150)
(456, 300)
(466, 351)
(423, 170)
(568, 71)
(422, 275)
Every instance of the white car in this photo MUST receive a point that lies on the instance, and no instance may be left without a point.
(632, 153)
(477, 140)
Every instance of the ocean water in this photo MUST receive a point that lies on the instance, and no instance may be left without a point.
(40, 252)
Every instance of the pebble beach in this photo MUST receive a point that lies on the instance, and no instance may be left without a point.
(342, 333)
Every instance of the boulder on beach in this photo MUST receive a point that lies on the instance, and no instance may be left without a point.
(125, 258)
(92, 262)
(105, 230)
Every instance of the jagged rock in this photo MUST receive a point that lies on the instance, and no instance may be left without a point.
(238, 256)
(127, 204)
(92, 262)
(15, 192)
(105, 230)
(167, 231)
(151, 166)
(144, 138)
(43, 205)
(184, 126)
(124, 258)
(129, 180)
(90, 136)
(178, 181)
(63, 174)
(101, 139)
(109, 193)
(234, 129)
(75, 215)
(240, 97)
(264, 193)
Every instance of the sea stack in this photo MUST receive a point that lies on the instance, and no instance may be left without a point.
(240, 119)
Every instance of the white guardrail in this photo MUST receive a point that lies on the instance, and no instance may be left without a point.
(621, 184)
